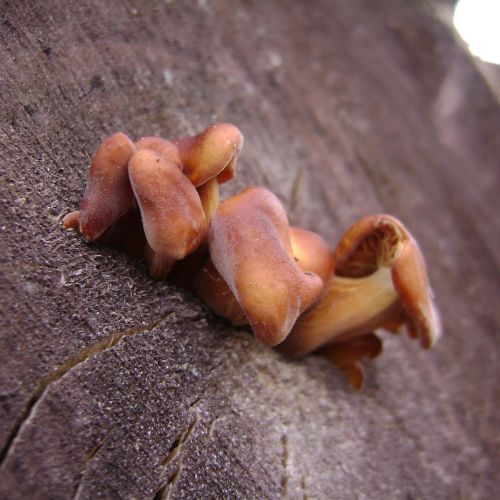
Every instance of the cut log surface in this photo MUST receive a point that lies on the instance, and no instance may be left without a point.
(116, 386)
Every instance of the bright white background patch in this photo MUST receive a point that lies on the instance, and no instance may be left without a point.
(478, 22)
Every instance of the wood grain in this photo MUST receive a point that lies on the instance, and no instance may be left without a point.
(114, 386)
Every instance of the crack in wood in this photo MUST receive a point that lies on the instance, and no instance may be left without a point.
(108, 342)
(167, 490)
(284, 463)
(88, 458)
(296, 188)
(178, 443)
(175, 450)
(303, 485)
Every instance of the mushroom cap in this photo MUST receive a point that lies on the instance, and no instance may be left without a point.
(312, 252)
(108, 194)
(383, 240)
(165, 148)
(380, 280)
(172, 214)
(211, 153)
(250, 247)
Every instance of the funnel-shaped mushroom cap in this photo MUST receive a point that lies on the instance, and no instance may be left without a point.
(250, 247)
(173, 218)
(380, 280)
(312, 252)
(108, 194)
(211, 153)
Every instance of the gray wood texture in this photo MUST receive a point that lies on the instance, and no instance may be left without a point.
(115, 386)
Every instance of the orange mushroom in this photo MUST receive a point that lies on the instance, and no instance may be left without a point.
(310, 250)
(172, 214)
(109, 194)
(207, 159)
(250, 248)
(380, 280)
(109, 214)
(211, 153)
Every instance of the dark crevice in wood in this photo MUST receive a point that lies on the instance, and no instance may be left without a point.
(108, 342)
(178, 443)
(88, 458)
(284, 463)
(303, 485)
(164, 492)
(174, 452)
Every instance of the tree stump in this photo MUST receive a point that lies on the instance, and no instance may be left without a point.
(116, 386)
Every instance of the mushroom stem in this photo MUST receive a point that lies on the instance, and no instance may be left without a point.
(209, 196)
(160, 265)
(349, 308)
(346, 356)
(72, 220)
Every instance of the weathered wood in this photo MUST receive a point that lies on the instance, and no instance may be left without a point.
(115, 386)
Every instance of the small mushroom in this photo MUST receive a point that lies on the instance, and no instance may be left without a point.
(211, 153)
(109, 194)
(380, 280)
(207, 159)
(172, 214)
(250, 248)
(310, 250)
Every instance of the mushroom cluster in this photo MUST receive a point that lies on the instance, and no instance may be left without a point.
(159, 199)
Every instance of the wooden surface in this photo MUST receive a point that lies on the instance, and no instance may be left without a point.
(114, 386)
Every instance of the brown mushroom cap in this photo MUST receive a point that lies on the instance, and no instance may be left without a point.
(310, 251)
(380, 279)
(109, 194)
(250, 247)
(165, 148)
(211, 153)
(172, 214)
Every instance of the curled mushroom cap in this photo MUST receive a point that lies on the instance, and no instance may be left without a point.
(207, 159)
(212, 153)
(380, 280)
(172, 214)
(109, 194)
(250, 247)
(310, 250)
